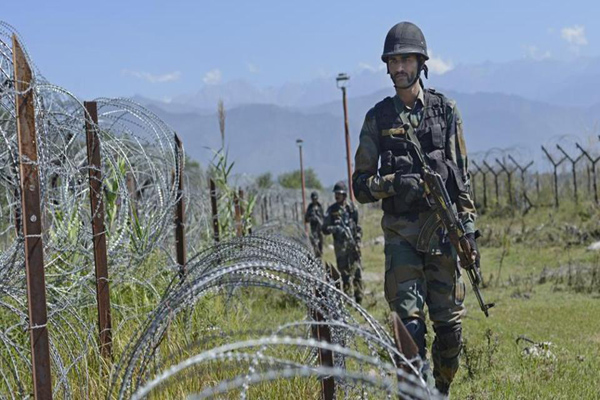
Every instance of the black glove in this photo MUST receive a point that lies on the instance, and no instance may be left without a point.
(408, 186)
(387, 163)
(395, 164)
(471, 237)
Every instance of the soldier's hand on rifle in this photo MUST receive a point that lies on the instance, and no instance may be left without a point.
(409, 186)
(471, 237)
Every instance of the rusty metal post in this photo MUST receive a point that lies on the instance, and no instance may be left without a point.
(405, 345)
(266, 206)
(299, 142)
(347, 136)
(98, 230)
(323, 334)
(32, 226)
(180, 242)
(215, 212)
(238, 215)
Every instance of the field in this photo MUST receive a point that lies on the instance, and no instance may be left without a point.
(546, 287)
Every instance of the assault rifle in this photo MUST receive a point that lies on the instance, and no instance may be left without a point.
(347, 232)
(445, 214)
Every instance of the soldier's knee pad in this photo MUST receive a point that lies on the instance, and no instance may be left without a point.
(448, 340)
(417, 329)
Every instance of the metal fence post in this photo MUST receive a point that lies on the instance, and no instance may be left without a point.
(215, 212)
(98, 230)
(32, 225)
(238, 215)
(180, 242)
(323, 334)
(555, 164)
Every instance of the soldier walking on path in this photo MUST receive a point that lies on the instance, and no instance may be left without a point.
(341, 221)
(431, 276)
(314, 217)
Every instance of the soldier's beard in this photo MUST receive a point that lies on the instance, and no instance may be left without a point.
(404, 81)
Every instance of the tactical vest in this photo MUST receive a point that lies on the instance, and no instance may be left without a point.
(432, 133)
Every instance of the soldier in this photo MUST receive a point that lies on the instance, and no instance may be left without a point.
(341, 220)
(314, 217)
(412, 278)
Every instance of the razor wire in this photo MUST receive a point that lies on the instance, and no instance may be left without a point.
(283, 265)
(139, 187)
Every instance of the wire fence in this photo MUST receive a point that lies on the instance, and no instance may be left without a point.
(563, 173)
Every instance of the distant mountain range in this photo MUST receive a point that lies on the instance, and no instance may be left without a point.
(524, 103)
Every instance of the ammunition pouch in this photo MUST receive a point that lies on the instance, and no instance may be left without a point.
(398, 157)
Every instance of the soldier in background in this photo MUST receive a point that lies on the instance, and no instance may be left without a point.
(341, 221)
(412, 278)
(314, 217)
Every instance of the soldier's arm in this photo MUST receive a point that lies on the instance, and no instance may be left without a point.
(368, 186)
(327, 224)
(456, 150)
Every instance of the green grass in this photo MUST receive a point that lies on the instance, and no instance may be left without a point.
(563, 308)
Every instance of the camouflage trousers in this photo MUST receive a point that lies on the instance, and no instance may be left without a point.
(351, 272)
(316, 240)
(414, 279)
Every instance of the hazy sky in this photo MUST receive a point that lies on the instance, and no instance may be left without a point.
(163, 48)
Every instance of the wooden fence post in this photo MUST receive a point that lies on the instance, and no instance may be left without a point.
(32, 225)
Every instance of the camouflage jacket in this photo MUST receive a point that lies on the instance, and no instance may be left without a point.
(314, 216)
(380, 187)
(341, 220)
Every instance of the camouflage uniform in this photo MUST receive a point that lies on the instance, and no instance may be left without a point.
(413, 279)
(347, 254)
(314, 217)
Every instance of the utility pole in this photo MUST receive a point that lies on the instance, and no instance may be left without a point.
(342, 82)
(299, 143)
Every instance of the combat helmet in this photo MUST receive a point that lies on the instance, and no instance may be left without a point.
(340, 187)
(404, 38)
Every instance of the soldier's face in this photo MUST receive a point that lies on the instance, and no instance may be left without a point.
(403, 70)
(339, 197)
